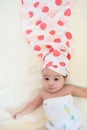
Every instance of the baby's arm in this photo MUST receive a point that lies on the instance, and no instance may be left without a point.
(79, 91)
(32, 105)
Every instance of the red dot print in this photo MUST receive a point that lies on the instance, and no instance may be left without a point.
(58, 2)
(67, 44)
(62, 63)
(57, 40)
(30, 14)
(41, 37)
(43, 26)
(55, 66)
(28, 31)
(52, 32)
(68, 35)
(37, 48)
(36, 4)
(45, 9)
(61, 23)
(56, 53)
(49, 64)
(38, 22)
(51, 49)
(67, 12)
(48, 46)
(69, 56)
(40, 55)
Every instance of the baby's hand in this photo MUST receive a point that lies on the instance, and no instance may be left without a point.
(16, 115)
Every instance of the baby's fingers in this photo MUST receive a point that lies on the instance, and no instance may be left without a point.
(14, 116)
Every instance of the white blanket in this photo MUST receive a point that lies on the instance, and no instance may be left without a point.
(20, 77)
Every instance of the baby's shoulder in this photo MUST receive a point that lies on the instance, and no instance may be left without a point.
(41, 91)
(68, 88)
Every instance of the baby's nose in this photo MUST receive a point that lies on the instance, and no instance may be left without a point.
(51, 82)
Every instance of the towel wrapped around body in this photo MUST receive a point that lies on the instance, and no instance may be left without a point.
(61, 114)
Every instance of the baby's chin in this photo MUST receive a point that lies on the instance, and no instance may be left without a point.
(52, 90)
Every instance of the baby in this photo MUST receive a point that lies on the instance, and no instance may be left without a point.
(56, 96)
(47, 30)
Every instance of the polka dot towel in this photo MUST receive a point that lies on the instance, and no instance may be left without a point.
(46, 24)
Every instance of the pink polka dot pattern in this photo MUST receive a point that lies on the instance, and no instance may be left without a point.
(45, 24)
(40, 37)
(67, 12)
(36, 4)
(28, 31)
(60, 22)
(30, 13)
(52, 32)
(45, 9)
(37, 48)
(58, 2)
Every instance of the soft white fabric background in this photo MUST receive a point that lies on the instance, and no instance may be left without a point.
(20, 76)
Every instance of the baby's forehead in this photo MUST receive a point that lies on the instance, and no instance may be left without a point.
(48, 72)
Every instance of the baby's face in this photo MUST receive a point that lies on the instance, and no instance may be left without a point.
(52, 81)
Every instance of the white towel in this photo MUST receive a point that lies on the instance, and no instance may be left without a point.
(61, 114)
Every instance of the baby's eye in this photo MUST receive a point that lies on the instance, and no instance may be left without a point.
(46, 78)
(56, 79)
